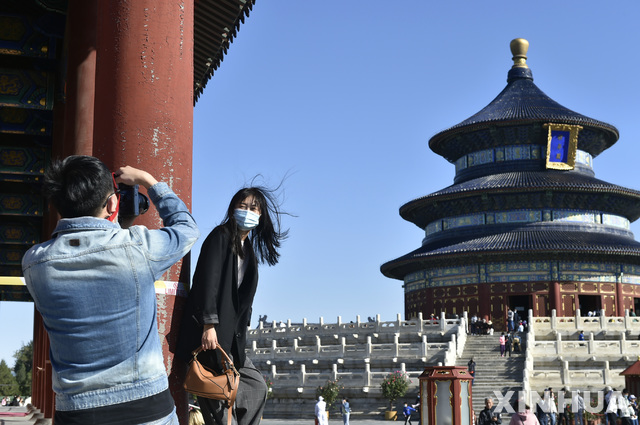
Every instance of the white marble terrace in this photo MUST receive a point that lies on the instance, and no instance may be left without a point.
(556, 358)
(300, 357)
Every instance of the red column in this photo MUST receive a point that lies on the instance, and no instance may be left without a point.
(144, 116)
(556, 301)
(41, 392)
(619, 300)
(80, 83)
(484, 292)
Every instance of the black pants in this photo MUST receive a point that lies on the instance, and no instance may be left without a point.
(250, 400)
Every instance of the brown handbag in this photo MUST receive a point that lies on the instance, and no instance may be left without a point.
(204, 382)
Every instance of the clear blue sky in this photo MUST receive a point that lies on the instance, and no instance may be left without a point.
(343, 96)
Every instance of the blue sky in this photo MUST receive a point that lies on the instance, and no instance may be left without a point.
(342, 97)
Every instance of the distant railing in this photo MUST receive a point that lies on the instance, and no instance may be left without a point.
(582, 363)
(342, 349)
(282, 329)
(626, 323)
(278, 346)
(358, 377)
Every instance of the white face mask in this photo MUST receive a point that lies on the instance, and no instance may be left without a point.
(247, 220)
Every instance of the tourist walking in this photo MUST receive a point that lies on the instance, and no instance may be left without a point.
(488, 416)
(321, 412)
(563, 417)
(525, 417)
(541, 413)
(516, 343)
(510, 318)
(633, 405)
(553, 409)
(610, 408)
(407, 411)
(471, 367)
(93, 285)
(509, 343)
(503, 344)
(624, 408)
(577, 406)
(219, 305)
(345, 410)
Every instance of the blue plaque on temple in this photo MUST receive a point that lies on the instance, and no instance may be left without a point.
(562, 143)
(559, 149)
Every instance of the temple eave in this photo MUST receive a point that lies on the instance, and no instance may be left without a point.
(399, 268)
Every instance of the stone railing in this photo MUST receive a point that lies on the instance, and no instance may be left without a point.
(368, 349)
(587, 349)
(321, 329)
(597, 376)
(358, 378)
(581, 364)
(297, 368)
(571, 324)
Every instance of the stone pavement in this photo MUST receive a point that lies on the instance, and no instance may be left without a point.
(337, 421)
(16, 416)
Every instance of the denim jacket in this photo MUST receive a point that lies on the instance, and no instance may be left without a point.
(93, 284)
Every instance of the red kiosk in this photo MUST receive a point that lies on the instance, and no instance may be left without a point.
(445, 394)
(632, 377)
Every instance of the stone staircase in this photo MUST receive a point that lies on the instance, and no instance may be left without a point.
(493, 373)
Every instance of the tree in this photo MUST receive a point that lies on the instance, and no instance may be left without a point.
(394, 386)
(8, 384)
(329, 392)
(22, 368)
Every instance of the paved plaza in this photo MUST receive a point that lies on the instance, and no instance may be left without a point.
(15, 416)
(353, 420)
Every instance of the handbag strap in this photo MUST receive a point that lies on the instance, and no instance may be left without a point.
(227, 365)
(225, 358)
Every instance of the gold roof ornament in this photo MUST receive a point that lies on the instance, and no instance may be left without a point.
(519, 47)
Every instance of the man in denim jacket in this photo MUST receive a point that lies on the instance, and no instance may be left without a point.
(93, 284)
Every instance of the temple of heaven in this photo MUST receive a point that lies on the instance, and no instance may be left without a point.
(525, 225)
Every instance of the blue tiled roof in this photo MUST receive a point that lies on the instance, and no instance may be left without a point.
(523, 102)
(427, 208)
(552, 244)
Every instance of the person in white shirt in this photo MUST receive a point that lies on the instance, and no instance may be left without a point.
(321, 413)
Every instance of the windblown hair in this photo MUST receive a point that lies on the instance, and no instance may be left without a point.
(77, 185)
(268, 235)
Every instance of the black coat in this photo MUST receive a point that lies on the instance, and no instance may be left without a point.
(215, 298)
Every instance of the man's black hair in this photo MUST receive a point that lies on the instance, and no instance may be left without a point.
(78, 185)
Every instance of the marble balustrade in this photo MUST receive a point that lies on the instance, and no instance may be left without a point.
(555, 356)
(348, 351)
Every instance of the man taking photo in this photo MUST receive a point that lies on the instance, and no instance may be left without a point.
(93, 284)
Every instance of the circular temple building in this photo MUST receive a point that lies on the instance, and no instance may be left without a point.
(525, 225)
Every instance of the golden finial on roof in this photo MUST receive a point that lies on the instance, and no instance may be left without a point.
(519, 47)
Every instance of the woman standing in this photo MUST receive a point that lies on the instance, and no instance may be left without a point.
(345, 410)
(218, 309)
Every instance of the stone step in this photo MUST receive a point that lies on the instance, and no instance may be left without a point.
(493, 372)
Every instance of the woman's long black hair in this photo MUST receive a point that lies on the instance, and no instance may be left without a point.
(268, 235)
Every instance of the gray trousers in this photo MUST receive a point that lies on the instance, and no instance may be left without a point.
(250, 400)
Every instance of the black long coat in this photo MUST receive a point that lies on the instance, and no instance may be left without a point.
(216, 299)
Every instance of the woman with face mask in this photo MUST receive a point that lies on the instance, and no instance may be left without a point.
(218, 309)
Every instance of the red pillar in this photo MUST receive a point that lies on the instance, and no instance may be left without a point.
(73, 135)
(143, 118)
(80, 82)
(619, 300)
(484, 292)
(42, 396)
(555, 299)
